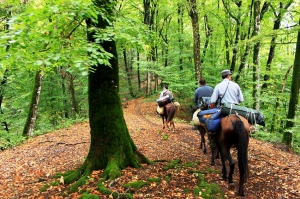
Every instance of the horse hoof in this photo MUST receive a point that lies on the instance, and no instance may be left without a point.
(212, 164)
(231, 186)
(241, 194)
(204, 151)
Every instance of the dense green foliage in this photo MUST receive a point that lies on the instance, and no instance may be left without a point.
(51, 36)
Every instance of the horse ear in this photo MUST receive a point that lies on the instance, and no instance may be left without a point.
(191, 106)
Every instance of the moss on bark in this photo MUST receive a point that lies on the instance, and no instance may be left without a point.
(111, 147)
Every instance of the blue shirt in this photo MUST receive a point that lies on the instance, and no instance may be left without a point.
(233, 93)
(202, 91)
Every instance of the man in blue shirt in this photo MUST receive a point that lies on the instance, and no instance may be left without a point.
(227, 91)
(202, 91)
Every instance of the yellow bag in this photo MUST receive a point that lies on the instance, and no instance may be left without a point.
(160, 110)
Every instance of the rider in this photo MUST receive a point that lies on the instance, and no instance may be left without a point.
(166, 92)
(202, 91)
(227, 91)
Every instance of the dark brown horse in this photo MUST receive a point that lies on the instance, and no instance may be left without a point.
(168, 115)
(233, 132)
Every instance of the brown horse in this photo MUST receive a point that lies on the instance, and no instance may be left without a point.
(234, 132)
(168, 115)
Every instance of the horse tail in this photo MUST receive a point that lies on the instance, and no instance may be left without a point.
(171, 113)
(242, 147)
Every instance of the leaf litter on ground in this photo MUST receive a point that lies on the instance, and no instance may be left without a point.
(25, 169)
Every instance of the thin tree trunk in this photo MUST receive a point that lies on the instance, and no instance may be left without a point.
(247, 49)
(208, 32)
(276, 26)
(274, 120)
(71, 90)
(33, 109)
(149, 12)
(128, 73)
(294, 96)
(193, 13)
(256, 56)
(180, 34)
(2, 86)
(138, 71)
(4, 79)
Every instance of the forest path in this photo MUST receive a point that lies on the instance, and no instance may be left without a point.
(274, 173)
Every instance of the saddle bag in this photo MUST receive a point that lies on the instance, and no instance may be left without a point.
(160, 110)
(250, 114)
(211, 119)
(195, 119)
(164, 100)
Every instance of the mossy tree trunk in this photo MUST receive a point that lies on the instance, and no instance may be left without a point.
(111, 147)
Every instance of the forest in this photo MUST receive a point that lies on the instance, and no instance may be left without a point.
(50, 50)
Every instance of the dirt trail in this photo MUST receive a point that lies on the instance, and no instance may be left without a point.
(26, 168)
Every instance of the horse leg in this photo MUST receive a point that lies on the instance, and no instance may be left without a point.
(223, 150)
(172, 124)
(213, 151)
(202, 134)
(231, 165)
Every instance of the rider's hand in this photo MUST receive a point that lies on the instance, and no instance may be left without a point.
(212, 105)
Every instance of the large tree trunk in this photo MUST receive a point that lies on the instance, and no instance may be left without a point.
(294, 97)
(193, 13)
(111, 147)
(32, 115)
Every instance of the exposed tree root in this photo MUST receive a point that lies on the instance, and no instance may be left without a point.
(111, 172)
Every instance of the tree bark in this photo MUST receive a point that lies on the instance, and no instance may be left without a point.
(294, 97)
(111, 147)
(71, 90)
(33, 110)
(180, 34)
(237, 31)
(278, 17)
(128, 73)
(193, 13)
(208, 32)
(2, 86)
(256, 55)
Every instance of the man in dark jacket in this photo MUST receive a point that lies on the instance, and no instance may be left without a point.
(202, 91)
